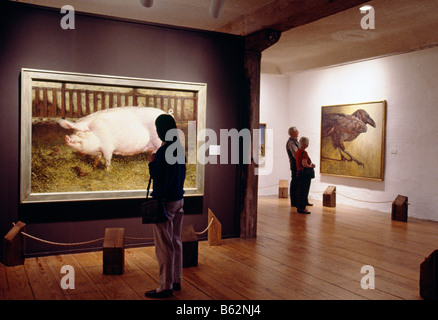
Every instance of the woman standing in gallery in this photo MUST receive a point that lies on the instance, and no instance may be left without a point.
(305, 172)
(168, 172)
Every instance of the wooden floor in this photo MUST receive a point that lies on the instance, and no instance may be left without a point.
(316, 256)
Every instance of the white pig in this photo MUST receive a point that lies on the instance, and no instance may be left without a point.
(123, 130)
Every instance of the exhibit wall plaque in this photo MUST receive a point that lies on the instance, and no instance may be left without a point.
(353, 140)
(86, 136)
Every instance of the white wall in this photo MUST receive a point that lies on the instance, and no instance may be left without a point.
(275, 112)
(409, 84)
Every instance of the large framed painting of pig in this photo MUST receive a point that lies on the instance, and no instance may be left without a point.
(353, 140)
(87, 137)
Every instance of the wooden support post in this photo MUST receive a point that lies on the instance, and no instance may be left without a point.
(190, 247)
(13, 245)
(283, 189)
(400, 209)
(114, 251)
(329, 197)
(215, 230)
(283, 15)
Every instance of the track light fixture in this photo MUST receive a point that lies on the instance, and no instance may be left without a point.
(216, 8)
(147, 3)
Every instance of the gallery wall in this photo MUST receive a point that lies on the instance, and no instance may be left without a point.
(31, 37)
(408, 83)
(274, 111)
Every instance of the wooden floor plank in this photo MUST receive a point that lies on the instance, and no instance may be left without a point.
(317, 256)
(314, 285)
(363, 246)
(18, 284)
(258, 284)
(266, 267)
(43, 282)
(112, 286)
(136, 277)
(84, 286)
(205, 280)
(345, 268)
(146, 259)
(357, 241)
(4, 288)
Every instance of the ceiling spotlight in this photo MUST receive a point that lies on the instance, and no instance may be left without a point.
(216, 8)
(147, 3)
(366, 8)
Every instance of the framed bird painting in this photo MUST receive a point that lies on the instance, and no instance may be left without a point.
(353, 140)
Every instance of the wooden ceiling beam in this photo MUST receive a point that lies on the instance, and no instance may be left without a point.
(261, 40)
(283, 15)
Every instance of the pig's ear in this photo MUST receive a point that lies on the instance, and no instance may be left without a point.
(67, 139)
(80, 125)
(66, 124)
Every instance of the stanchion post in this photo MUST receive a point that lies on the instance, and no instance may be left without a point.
(400, 209)
(114, 251)
(215, 230)
(329, 197)
(190, 246)
(283, 189)
(13, 245)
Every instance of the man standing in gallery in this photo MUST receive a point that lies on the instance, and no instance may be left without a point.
(292, 146)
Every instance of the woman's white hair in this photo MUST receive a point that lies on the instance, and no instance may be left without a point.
(304, 141)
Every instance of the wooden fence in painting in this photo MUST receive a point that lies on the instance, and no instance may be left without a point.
(76, 103)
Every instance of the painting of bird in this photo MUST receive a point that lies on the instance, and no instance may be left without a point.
(343, 127)
(353, 140)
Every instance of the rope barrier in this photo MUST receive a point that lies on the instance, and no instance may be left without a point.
(60, 243)
(390, 201)
(95, 240)
(269, 186)
(363, 200)
(198, 233)
(133, 238)
(202, 232)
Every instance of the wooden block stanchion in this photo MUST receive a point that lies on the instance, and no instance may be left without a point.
(283, 189)
(114, 251)
(13, 246)
(215, 230)
(400, 209)
(329, 197)
(190, 247)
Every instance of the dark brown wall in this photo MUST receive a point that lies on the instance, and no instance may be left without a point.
(32, 38)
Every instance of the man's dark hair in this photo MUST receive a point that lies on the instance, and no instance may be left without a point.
(164, 123)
